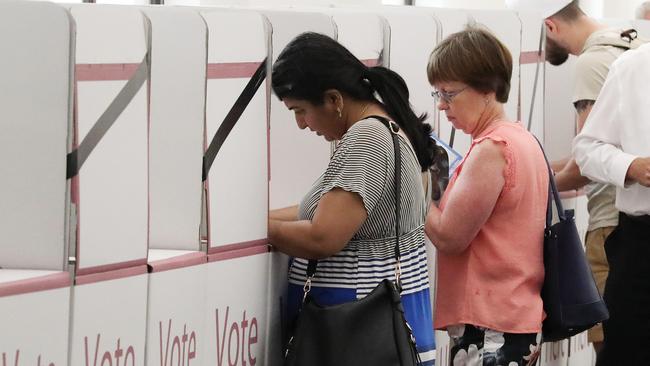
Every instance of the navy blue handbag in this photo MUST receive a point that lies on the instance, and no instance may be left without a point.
(571, 299)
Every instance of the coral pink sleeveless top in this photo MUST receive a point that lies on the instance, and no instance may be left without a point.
(496, 282)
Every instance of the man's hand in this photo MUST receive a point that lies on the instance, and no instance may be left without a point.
(639, 171)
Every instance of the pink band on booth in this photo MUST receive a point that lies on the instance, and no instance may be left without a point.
(370, 62)
(238, 250)
(111, 267)
(110, 275)
(105, 72)
(41, 283)
(181, 261)
(531, 57)
(231, 70)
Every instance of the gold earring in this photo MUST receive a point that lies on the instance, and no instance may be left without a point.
(340, 113)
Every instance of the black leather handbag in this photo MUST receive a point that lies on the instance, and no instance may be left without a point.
(571, 299)
(368, 331)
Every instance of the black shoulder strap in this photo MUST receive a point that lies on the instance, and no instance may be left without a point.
(76, 158)
(553, 194)
(232, 117)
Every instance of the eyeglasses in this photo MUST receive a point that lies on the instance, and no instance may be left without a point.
(446, 97)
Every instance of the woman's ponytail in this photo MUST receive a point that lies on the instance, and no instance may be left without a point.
(394, 94)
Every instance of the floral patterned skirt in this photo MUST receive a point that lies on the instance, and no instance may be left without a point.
(476, 346)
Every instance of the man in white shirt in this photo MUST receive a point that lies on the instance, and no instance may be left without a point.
(570, 31)
(614, 148)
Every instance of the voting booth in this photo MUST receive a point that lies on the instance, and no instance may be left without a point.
(35, 119)
(110, 184)
(237, 117)
(177, 263)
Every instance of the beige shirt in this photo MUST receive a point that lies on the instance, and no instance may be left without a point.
(600, 50)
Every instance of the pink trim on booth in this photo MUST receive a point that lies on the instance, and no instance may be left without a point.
(181, 261)
(238, 246)
(111, 267)
(371, 62)
(110, 275)
(41, 283)
(531, 57)
(105, 72)
(238, 253)
(231, 70)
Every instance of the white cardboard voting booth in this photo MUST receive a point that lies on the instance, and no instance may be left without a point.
(177, 278)
(35, 119)
(35, 109)
(236, 320)
(531, 68)
(413, 35)
(237, 184)
(35, 316)
(367, 36)
(111, 190)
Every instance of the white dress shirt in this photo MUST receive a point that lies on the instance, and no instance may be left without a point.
(618, 130)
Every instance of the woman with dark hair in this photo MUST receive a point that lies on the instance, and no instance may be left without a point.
(489, 226)
(347, 219)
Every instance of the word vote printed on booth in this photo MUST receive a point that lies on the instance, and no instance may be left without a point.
(13, 359)
(236, 337)
(107, 353)
(178, 348)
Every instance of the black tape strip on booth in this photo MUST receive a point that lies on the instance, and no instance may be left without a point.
(78, 156)
(232, 117)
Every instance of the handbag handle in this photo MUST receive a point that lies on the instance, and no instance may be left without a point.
(553, 194)
(394, 129)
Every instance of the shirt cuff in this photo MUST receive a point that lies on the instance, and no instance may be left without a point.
(620, 165)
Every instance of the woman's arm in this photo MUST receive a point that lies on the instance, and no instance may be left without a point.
(338, 217)
(284, 214)
(470, 201)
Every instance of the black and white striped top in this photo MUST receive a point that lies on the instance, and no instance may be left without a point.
(363, 163)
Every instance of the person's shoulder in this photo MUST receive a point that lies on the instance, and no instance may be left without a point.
(370, 124)
(605, 41)
(595, 58)
(368, 130)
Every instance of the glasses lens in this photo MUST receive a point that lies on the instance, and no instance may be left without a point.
(439, 95)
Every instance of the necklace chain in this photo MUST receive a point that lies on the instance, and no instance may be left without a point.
(363, 111)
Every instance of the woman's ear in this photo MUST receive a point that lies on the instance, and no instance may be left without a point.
(334, 98)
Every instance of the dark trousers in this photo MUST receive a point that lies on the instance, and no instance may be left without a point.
(627, 294)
